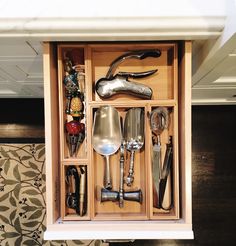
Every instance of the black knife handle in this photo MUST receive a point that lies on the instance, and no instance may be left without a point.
(137, 74)
(136, 54)
(148, 53)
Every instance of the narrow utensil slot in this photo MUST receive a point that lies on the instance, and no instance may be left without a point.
(76, 195)
(162, 158)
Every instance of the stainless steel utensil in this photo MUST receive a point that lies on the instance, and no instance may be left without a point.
(121, 195)
(114, 196)
(106, 137)
(134, 136)
(122, 161)
(165, 194)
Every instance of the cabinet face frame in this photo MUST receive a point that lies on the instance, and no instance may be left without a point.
(154, 229)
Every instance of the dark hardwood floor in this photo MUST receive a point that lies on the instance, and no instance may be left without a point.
(214, 175)
(22, 120)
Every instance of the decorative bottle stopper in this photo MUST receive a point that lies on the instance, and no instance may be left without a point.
(73, 82)
(76, 107)
(75, 134)
(72, 85)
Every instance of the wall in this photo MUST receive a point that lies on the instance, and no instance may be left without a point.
(22, 197)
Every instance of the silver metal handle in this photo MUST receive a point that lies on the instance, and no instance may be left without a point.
(121, 190)
(130, 178)
(107, 176)
(107, 88)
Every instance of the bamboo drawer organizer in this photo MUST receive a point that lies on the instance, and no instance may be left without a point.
(170, 90)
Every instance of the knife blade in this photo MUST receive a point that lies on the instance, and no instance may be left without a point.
(168, 161)
(156, 169)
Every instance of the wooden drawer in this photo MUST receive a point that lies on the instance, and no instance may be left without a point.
(171, 86)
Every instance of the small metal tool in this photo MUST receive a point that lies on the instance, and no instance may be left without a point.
(114, 84)
(73, 182)
(106, 137)
(134, 137)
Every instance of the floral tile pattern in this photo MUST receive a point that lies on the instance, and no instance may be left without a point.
(22, 197)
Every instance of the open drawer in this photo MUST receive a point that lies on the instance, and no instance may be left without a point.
(142, 209)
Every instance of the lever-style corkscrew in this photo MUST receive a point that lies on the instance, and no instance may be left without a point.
(137, 54)
(119, 83)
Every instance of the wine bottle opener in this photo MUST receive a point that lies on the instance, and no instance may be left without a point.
(76, 195)
(73, 182)
(113, 84)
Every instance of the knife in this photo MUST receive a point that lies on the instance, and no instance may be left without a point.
(166, 170)
(156, 168)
